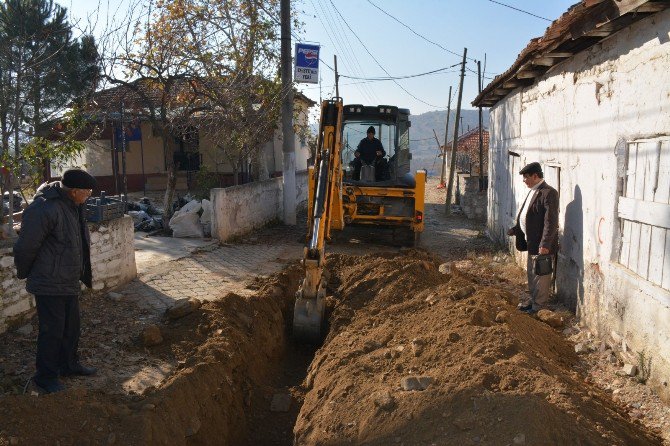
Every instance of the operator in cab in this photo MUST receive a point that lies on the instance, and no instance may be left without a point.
(370, 151)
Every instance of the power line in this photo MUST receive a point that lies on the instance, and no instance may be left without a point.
(334, 38)
(420, 35)
(339, 27)
(375, 59)
(520, 10)
(390, 78)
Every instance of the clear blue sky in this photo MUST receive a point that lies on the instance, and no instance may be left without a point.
(480, 25)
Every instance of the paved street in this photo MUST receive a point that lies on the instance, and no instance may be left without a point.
(208, 274)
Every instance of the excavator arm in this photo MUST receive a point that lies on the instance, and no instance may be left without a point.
(324, 212)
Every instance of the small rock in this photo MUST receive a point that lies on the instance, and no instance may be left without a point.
(149, 406)
(417, 346)
(111, 439)
(183, 307)
(502, 316)
(581, 348)
(616, 337)
(519, 439)
(463, 293)
(151, 336)
(629, 369)
(246, 320)
(445, 268)
(624, 346)
(637, 405)
(194, 427)
(550, 318)
(454, 337)
(281, 402)
(410, 383)
(25, 330)
(616, 391)
(384, 400)
(602, 347)
(432, 299)
(114, 297)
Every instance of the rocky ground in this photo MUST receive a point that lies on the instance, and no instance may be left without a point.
(424, 347)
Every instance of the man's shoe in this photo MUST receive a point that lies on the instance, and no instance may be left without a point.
(79, 370)
(525, 308)
(48, 386)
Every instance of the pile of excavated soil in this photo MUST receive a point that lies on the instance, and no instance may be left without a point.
(415, 357)
(222, 353)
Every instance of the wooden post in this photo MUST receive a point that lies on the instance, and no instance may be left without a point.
(337, 78)
(481, 137)
(454, 145)
(446, 140)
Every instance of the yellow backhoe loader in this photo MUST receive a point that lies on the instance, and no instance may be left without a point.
(345, 190)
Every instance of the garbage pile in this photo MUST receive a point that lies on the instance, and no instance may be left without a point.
(17, 203)
(146, 217)
(192, 219)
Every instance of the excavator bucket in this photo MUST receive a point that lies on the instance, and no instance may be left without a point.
(308, 315)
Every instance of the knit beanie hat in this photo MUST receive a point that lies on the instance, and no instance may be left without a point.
(78, 179)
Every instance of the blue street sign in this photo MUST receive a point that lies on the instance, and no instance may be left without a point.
(306, 63)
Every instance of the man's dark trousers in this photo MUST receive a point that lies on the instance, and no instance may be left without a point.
(58, 338)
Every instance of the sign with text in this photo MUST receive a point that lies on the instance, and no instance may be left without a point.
(306, 63)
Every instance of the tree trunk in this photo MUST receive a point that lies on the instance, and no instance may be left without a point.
(171, 180)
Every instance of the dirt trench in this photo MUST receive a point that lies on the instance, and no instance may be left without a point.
(414, 354)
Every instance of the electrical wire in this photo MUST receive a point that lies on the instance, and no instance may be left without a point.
(352, 54)
(409, 76)
(416, 33)
(376, 61)
(334, 37)
(520, 10)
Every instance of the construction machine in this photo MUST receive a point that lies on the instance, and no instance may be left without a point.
(343, 193)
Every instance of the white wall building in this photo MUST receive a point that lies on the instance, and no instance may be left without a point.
(590, 101)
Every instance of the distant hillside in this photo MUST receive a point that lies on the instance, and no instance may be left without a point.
(422, 141)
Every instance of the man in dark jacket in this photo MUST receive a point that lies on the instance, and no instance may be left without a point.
(53, 254)
(370, 151)
(536, 231)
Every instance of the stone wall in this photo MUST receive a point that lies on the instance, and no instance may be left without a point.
(240, 209)
(472, 201)
(112, 257)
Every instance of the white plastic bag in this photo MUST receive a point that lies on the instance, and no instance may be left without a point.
(186, 224)
(206, 216)
(191, 206)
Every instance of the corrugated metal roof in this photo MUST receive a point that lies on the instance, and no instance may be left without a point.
(580, 27)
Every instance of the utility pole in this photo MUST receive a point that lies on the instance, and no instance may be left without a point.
(454, 144)
(337, 78)
(288, 138)
(481, 136)
(446, 140)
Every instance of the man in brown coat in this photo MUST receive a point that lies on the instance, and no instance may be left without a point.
(536, 231)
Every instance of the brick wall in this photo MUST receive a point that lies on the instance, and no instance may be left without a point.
(112, 257)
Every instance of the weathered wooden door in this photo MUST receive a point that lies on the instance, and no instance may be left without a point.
(644, 209)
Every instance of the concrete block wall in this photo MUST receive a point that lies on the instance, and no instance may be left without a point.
(113, 253)
(112, 257)
(473, 202)
(238, 210)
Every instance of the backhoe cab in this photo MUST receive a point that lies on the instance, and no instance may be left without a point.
(340, 194)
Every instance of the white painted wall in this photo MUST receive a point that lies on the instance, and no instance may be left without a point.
(238, 210)
(577, 118)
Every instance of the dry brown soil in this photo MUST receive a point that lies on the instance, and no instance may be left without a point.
(490, 375)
